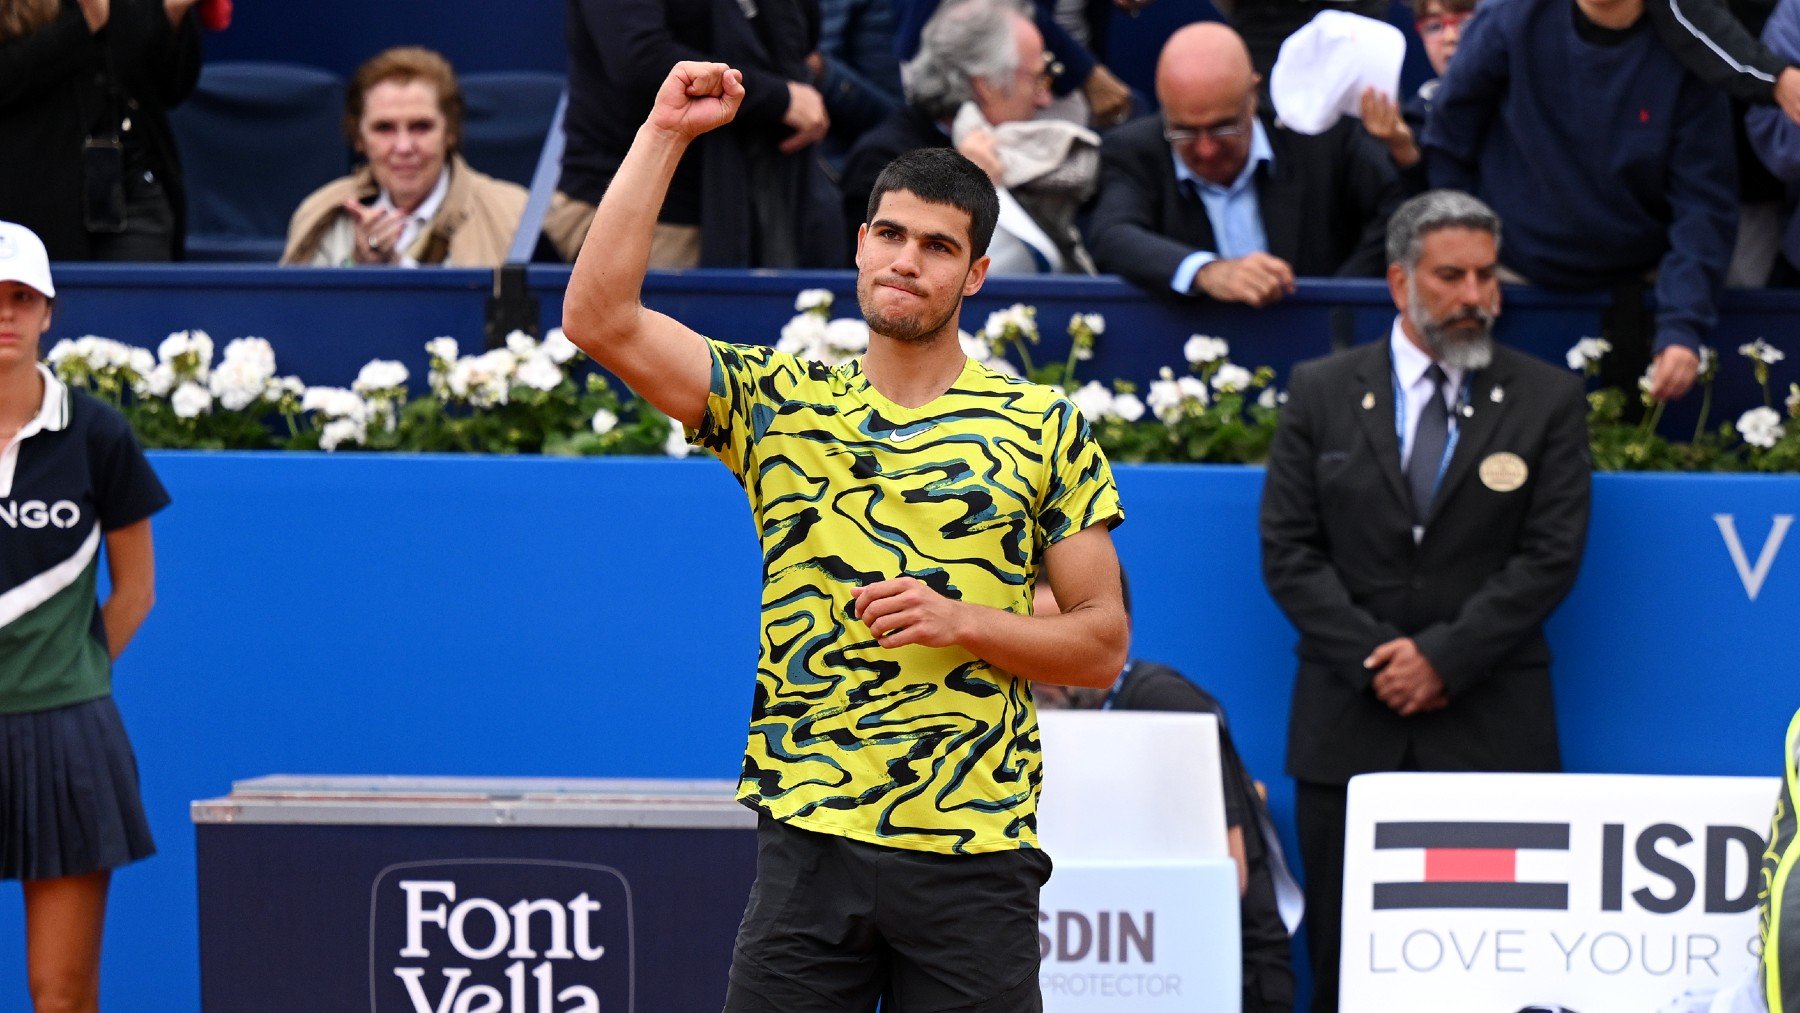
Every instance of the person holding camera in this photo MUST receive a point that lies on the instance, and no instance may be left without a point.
(85, 89)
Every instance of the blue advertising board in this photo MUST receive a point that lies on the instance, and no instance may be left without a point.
(444, 615)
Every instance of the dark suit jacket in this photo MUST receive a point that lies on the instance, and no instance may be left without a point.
(755, 207)
(53, 95)
(908, 129)
(1325, 204)
(1339, 558)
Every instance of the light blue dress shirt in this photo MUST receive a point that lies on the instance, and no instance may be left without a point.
(1234, 211)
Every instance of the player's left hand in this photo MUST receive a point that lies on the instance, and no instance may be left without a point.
(1405, 679)
(905, 610)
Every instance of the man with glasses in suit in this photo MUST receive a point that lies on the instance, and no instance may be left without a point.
(1213, 198)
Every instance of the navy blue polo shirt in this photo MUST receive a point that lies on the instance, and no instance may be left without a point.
(74, 473)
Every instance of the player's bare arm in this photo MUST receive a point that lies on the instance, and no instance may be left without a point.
(603, 311)
(1084, 645)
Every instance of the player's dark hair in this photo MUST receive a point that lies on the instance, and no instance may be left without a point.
(943, 176)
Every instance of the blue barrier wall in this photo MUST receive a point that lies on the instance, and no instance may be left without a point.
(325, 324)
(478, 616)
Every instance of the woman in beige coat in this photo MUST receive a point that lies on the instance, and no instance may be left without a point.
(415, 201)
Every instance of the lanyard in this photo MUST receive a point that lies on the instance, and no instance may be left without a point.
(1462, 398)
(1113, 693)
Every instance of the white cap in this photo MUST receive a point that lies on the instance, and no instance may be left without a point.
(23, 259)
(1325, 67)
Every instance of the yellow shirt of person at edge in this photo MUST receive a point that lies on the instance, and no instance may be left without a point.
(913, 747)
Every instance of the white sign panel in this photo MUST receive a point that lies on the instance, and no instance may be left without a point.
(1141, 913)
(1144, 938)
(1594, 892)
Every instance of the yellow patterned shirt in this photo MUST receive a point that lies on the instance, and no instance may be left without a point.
(915, 747)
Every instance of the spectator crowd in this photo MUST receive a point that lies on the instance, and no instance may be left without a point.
(1671, 176)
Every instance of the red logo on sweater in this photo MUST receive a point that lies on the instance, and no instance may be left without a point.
(1643, 115)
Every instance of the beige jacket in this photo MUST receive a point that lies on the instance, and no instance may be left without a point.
(473, 228)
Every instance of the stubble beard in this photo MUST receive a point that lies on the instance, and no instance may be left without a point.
(1466, 349)
(914, 329)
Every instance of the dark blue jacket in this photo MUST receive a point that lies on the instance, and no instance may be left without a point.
(1605, 161)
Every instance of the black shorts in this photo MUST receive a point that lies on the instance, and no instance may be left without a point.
(833, 925)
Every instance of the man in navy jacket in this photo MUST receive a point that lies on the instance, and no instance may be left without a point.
(1608, 161)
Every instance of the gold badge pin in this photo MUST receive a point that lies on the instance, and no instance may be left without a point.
(1504, 471)
(1368, 400)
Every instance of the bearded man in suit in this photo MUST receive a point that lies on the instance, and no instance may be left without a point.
(1424, 511)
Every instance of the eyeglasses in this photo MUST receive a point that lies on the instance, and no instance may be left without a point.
(1188, 135)
(1043, 75)
(1436, 23)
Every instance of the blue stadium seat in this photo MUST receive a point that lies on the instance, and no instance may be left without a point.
(506, 115)
(255, 139)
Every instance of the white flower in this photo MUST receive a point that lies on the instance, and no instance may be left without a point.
(1267, 399)
(380, 375)
(1760, 427)
(539, 373)
(60, 351)
(286, 386)
(483, 380)
(604, 421)
(1587, 352)
(255, 352)
(1231, 379)
(1018, 316)
(1128, 407)
(848, 335)
(237, 384)
(158, 382)
(521, 344)
(1793, 400)
(558, 347)
(1095, 323)
(1709, 361)
(188, 352)
(191, 400)
(813, 299)
(975, 346)
(1094, 400)
(1201, 350)
(335, 403)
(1165, 396)
(676, 445)
(442, 349)
(1192, 389)
(337, 432)
(1761, 351)
(804, 336)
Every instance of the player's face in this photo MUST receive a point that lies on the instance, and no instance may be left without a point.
(405, 136)
(913, 268)
(24, 317)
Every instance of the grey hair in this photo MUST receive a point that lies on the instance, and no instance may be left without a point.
(964, 40)
(1430, 211)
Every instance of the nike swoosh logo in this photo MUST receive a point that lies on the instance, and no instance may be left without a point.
(896, 437)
